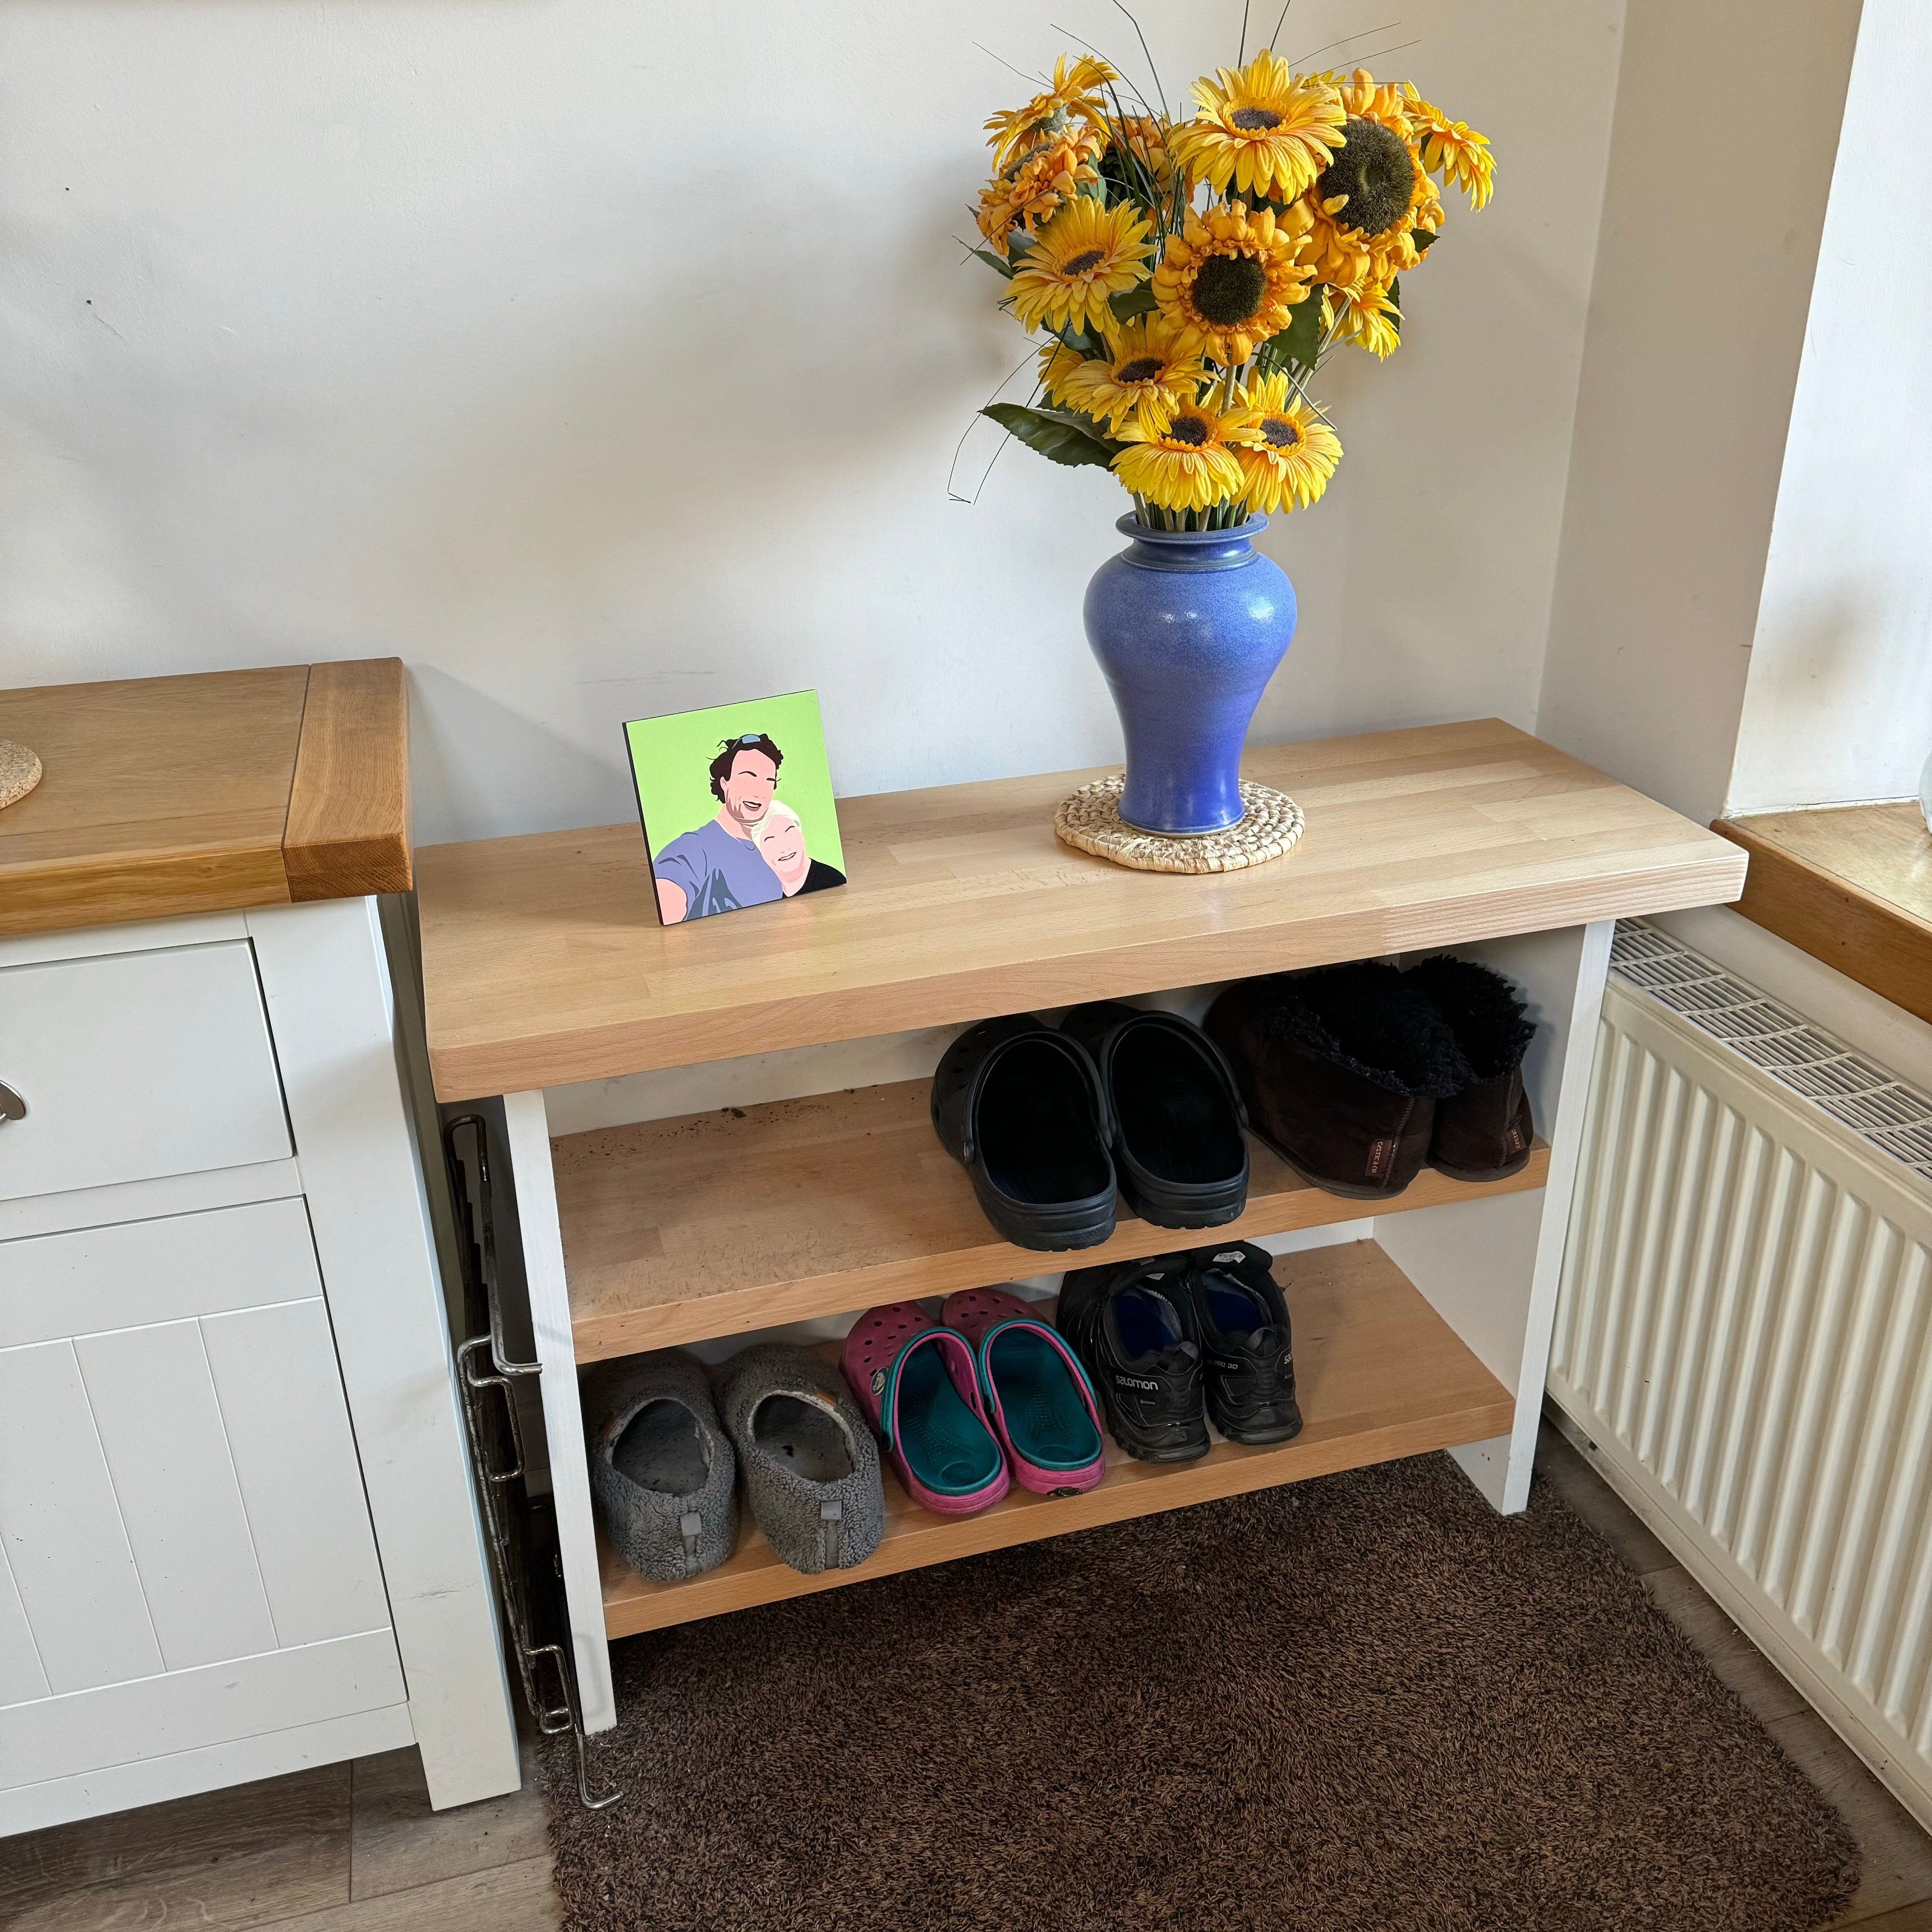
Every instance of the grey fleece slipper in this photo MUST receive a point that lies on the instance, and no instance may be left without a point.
(662, 1473)
(811, 1468)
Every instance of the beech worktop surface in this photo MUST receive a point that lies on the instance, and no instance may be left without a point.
(211, 793)
(544, 961)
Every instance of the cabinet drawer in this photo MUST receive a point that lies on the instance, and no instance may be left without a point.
(134, 1065)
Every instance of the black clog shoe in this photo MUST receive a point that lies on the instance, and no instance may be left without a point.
(1020, 1106)
(1177, 1111)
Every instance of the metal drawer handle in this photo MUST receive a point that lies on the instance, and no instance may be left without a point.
(12, 1107)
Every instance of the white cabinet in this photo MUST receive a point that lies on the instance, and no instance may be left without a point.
(236, 1532)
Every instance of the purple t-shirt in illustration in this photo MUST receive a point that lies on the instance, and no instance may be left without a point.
(717, 873)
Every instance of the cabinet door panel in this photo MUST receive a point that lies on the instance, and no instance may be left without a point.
(134, 1272)
(65, 1543)
(288, 1426)
(21, 1676)
(134, 1065)
(189, 1710)
(161, 1426)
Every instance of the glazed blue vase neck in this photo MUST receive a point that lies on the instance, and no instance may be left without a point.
(1189, 550)
(1188, 626)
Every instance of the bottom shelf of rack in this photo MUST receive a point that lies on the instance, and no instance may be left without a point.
(1379, 1375)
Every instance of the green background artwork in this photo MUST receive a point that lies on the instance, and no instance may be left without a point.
(670, 759)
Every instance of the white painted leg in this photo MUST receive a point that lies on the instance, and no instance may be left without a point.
(1491, 1268)
(326, 981)
(526, 1131)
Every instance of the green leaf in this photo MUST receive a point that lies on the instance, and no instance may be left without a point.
(1019, 241)
(992, 261)
(1395, 303)
(1422, 238)
(1131, 302)
(1299, 341)
(1059, 438)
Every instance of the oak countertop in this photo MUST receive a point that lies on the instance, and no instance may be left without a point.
(544, 961)
(210, 793)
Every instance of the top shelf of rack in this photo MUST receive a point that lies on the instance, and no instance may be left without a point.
(544, 961)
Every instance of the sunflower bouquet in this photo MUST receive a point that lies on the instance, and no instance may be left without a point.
(1192, 278)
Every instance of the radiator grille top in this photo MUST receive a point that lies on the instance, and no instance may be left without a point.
(1881, 1109)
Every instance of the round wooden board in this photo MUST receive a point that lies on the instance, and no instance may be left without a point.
(20, 772)
(1090, 821)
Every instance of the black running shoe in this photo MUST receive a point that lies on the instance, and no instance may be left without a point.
(1234, 1310)
(1129, 1323)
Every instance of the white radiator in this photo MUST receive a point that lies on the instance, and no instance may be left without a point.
(1745, 1330)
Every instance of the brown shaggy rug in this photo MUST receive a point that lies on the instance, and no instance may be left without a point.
(1362, 1704)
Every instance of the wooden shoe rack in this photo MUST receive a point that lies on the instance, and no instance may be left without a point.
(810, 1185)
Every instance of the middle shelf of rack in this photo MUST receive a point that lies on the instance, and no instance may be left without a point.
(1379, 1375)
(715, 1224)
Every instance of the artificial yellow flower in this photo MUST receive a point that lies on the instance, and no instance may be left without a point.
(1032, 189)
(1179, 457)
(1229, 277)
(1374, 194)
(1146, 139)
(1453, 150)
(1367, 315)
(1143, 359)
(1085, 254)
(1287, 453)
(1073, 95)
(1056, 364)
(1266, 131)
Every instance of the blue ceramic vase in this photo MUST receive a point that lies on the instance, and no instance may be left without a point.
(1188, 626)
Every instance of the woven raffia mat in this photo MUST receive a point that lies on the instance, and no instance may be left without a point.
(1090, 821)
(20, 772)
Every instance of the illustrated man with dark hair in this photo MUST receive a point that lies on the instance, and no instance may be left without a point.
(720, 867)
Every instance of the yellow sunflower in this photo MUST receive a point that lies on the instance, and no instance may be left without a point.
(1368, 315)
(1374, 193)
(1056, 363)
(1229, 278)
(1085, 254)
(1453, 150)
(1180, 457)
(1073, 95)
(1264, 130)
(1144, 359)
(1287, 453)
(1032, 189)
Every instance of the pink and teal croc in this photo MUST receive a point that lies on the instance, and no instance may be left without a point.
(919, 1385)
(1041, 1402)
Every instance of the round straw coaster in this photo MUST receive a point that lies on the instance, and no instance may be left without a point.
(20, 772)
(1091, 821)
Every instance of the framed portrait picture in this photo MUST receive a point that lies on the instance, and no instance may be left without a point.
(737, 805)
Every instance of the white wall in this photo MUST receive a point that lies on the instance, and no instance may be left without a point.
(1838, 706)
(602, 359)
(1726, 125)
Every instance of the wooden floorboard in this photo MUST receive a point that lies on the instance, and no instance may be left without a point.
(519, 1898)
(398, 1842)
(253, 1855)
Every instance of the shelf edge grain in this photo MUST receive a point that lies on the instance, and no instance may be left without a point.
(1871, 940)
(348, 829)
